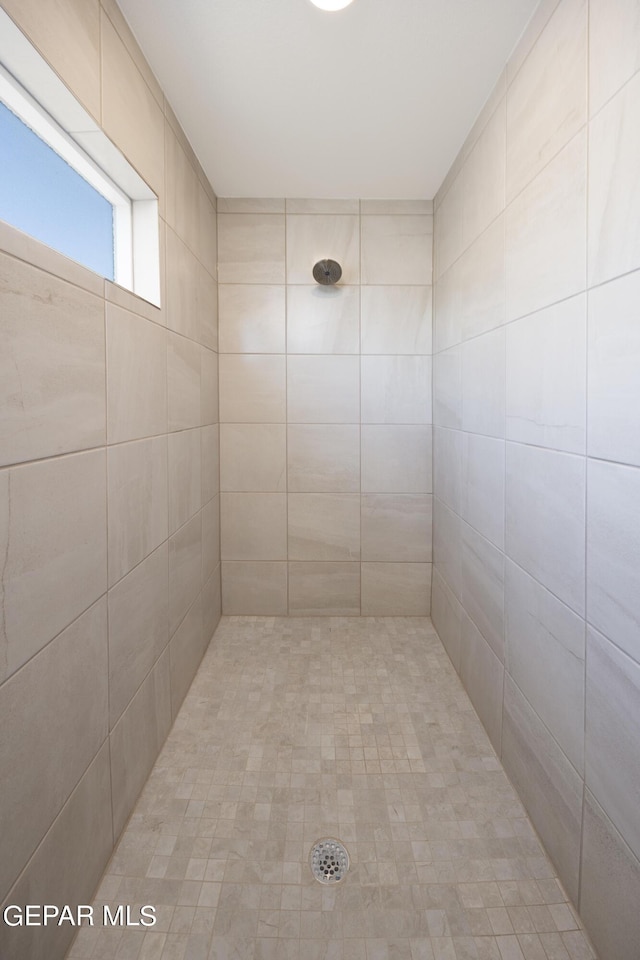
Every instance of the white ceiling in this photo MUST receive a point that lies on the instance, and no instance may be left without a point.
(281, 99)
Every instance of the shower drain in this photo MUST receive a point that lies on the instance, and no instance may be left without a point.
(329, 860)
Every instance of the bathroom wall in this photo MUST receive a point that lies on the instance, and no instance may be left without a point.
(108, 494)
(325, 407)
(536, 442)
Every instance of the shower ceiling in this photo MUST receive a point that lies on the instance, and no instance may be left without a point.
(279, 98)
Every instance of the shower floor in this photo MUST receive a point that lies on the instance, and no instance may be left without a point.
(357, 729)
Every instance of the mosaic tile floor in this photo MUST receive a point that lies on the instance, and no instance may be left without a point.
(359, 729)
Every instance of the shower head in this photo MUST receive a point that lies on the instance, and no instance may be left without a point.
(327, 272)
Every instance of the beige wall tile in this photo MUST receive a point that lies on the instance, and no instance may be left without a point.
(482, 674)
(52, 365)
(184, 391)
(447, 546)
(20, 245)
(323, 389)
(184, 477)
(448, 477)
(396, 390)
(323, 319)
(396, 320)
(397, 249)
(324, 526)
(253, 526)
(483, 384)
(211, 606)
(209, 391)
(252, 318)
(136, 377)
(250, 205)
(614, 48)
(252, 389)
(396, 527)
(324, 589)
(68, 682)
(116, 16)
(479, 277)
(317, 237)
(394, 207)
(484, 177)
(186, 651)
(482, 495)
(323, 458)
(207, 302)
(448, 222)
(210, 461)
(447, 388)
(53, 536)
(446, 614)
(137, 502)
(396, 459)
(396, 589)
(483, 587)
(182, 274)
(138, 627)
(312, 205)
(253, 457)
(254, 589)
(250, 248)
(181, 191)
(210, 538)
(185, 570)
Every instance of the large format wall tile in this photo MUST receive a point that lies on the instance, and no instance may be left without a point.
(396, 459)
(482, 674)
(181, 203)
(396, 527)
(323, 389)
(68, 682)
(484, 178)
(252, 389)
(53, 538)
(396, 249)
(185, 477)
(313, 237)
(252, 318)
(323, 319)
(323, 526)
(447, 388)
(448, 479)
(614, 48)
(483, 384)
(396, 390)
(396, 320)
(323, 458)
(253, 526)
(52, 376)
(186, 649)
(210, 538)
(479, 281)
(446, 614)
(254, 589)
(447, 546)
(396, 589)
(250, 248)
(483, 486)
(324, 589)
(185, 569)
(182, 287)
(136, 376)
(183, 383)
(483, 587)
(253, 457)
(210, 440)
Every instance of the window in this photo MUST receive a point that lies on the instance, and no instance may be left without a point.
(64, 182)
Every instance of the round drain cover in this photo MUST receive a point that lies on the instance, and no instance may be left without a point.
(329, 860)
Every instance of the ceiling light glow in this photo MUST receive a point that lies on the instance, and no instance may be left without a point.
(331, 4)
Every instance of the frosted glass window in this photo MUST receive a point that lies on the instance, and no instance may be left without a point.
(43, 196)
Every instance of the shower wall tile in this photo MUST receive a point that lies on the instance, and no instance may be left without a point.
(185, 570)
(483, 587)
(209, 409)
(324, 589)
(396, 589)
(210, 440)
(186, 649)
(253, 526)
(252, 318)
(448, 477)
(483, 676)
(185, 477)
(250, 205)
(210, 538)
(253, 457)
(484, 178)
(252, 389)
(394, 207)
(479, 283)
(614, 48)
(207, 302)
(254, 589)
(323, 526)
(137, 499)
(396, 527)
(448, 227)
(324, 458)
(323, 389)
(446, 614)
(447, 546)
(483, 384)
(310, 237)
(182, 186)
(397, 249)
(52, 366)
(396, 389)
(482, 495)
(447, 388)
(184, 386)
(182, 287)
(211, 607)
(323, 319)
(251, 248)
(396, 319)
(136, 376)
(396, 459)
(311, 205)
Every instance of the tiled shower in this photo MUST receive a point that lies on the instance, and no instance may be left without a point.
(262, 447)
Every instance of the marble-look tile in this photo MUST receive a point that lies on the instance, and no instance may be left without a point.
(480, 277)
(53, 538)
(549, 786)
(324, 589)
(396, 527)
(396, 459)
(183, 382)
(209, 391)
(483, 384)
(251, 248)
(447, 467)
(210, 538)
(252, 389)
(324, 526)
(396, 319)
(610, 888)
(138, 627)
(323, 458)
(614, 48)
(303, 205)
(182, 273)
(545, 657)
(323, 389)
(546, 377)
(137, 488)
(482, 674)
(207, 248)
(483, 587)
(545, 519)
(483, 486)
(253, 457)
(254, 589)
(396, 390)
(20, 245)
(253, 526)
(210, 440)
(252, 318)
(181, 201)
(52, 365)
(323, 319)
(396, 589)
(397, 249)
(314, 237)
(612, 734)
(484, 177)
(614, 191)
(184, 477)
(68, 682)
(613, 553)
(530, 35)
(446, 315)
(136, 376)
(131, 116)
(211, 606)
(136, 739)
(547, 101)
(207, 303)
(394, 207)
(185, 570)
(448, 221)
(613, 428)
(185, 651)
(447, 388)
(447, 546)
(81, 838)
(546, 234)
(446, 613)
(250, 205)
